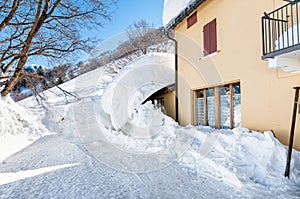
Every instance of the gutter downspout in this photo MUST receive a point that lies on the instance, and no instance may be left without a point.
(167, 33)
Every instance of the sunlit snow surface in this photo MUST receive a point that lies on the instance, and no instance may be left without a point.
(6, 178)
(18, 128)
(212, 163)
(173, 8)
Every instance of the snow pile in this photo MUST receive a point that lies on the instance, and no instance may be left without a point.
(241, 157)
(173, 8)
(236, 157)
(18, 128)
(144, 139)
(135, 83)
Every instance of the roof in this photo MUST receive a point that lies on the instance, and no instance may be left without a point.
(183, 14)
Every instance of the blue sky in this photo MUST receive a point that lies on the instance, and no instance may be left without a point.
(127, 12)
(124, 14)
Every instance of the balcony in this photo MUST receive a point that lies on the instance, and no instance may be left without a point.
(281, 37)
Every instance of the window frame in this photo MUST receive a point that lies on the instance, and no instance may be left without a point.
(217, 104)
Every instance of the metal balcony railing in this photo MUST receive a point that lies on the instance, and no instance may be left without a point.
(281, 30)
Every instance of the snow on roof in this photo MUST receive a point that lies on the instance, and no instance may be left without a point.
(173, 8)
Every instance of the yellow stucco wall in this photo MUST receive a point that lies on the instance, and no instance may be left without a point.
(267, 94)
(170, 104)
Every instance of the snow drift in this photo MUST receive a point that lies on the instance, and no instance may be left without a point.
(18, 128)
(135, 83)
(238, 157)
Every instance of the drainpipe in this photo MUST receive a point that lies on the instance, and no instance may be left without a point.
(167, 33)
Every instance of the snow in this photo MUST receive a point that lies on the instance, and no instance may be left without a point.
(19, 128)
(288, 38)
(173, 8)
(288, 61)
(151, 156)
(241, 157)
(6, 178)
(142, 77)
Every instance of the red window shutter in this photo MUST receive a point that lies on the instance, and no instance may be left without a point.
(206, 40)
(191, 20)
(213, 35)
(210, 37)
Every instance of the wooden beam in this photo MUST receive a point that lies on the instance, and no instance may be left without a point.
(195, 109)
(217, 107)
(205, 107)
(292, 132)
(231, 106)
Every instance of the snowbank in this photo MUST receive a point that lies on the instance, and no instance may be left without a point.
(18, 128)
(135, 83)
(240, 157)
(173, 8)
(237, 157)
(149, 140)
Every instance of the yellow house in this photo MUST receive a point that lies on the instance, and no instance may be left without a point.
(237, 64)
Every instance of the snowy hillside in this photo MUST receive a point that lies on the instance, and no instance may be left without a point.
(88, 158)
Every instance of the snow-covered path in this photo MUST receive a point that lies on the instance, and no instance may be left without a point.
(61, 167)
(90, 178)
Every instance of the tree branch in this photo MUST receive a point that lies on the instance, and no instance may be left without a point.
(13, 10)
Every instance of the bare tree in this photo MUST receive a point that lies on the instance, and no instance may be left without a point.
(48, 28)
(141, 35)
(8, 12)
(124, 49)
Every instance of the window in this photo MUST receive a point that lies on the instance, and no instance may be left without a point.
(159, 103)
(219, 106)
(191, 20)
(210, 37)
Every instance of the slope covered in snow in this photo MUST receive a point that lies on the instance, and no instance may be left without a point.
(88, 159)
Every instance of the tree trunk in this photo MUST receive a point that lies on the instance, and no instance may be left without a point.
(15, 78)
(38, 22)
(144, 50)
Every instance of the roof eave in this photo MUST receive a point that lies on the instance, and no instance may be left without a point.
(183, 14)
